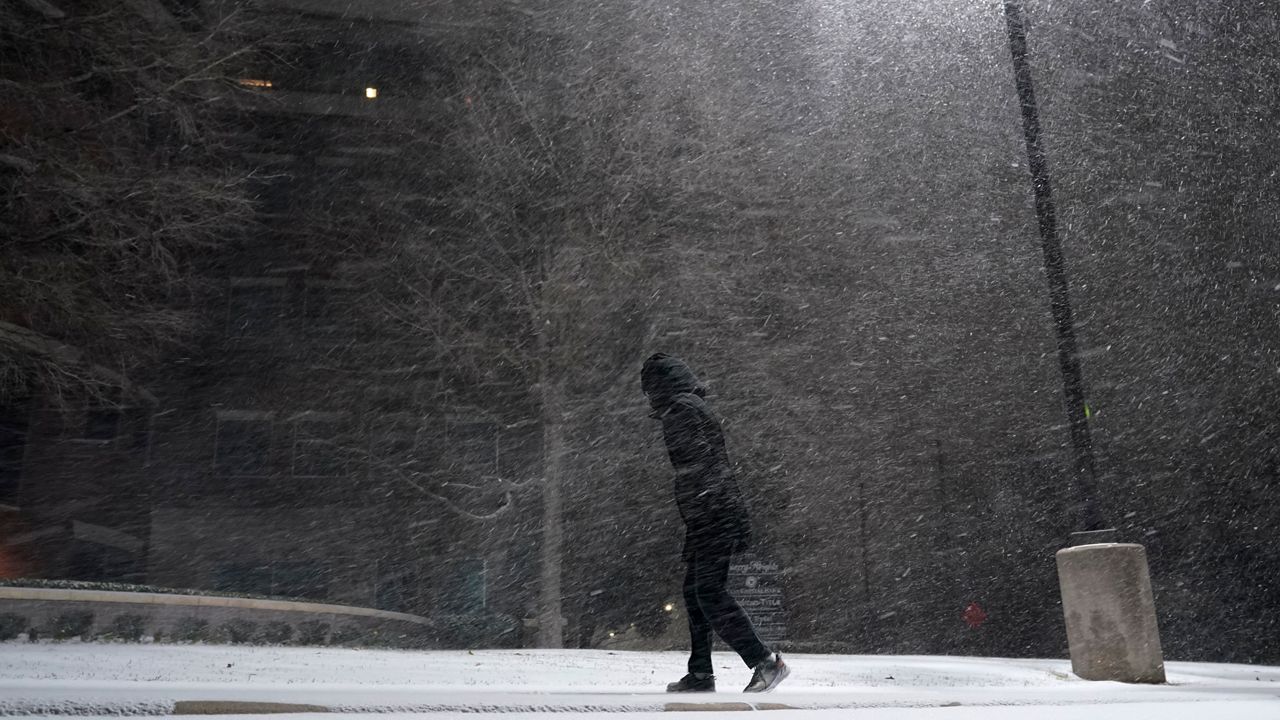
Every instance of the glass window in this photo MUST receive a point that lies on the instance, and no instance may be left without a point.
(396, 588)
(103, 416)
(102, 423)
(328, 308)
(14, 425)
(402, 445)
(300, 579)
(318, 441)
(471, 449)
(243, 444)
(256, 307)
(466, 587)
(243, 577)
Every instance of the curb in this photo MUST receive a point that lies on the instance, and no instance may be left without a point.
(265, 707)
(232, 707)
(724, 707)
(242, 707)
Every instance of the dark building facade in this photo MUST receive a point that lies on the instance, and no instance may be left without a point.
(291, 449)
(311, 455)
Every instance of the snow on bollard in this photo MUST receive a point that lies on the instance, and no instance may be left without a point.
(1110, 613)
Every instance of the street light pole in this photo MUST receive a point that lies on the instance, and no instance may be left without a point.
(1106, 587)
(1090, 516)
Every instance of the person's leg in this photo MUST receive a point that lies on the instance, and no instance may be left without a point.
(725, 615)
(700, 638)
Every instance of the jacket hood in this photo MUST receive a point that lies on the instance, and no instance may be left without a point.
(663, 377)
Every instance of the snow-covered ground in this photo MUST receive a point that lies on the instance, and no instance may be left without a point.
(111, 679)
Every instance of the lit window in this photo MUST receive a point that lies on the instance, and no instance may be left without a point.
(371, 92)
(254, 82)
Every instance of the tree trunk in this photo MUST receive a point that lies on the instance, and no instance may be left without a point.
(550, 630)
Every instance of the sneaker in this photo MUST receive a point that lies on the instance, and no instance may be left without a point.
(693, 683)
(768, 674)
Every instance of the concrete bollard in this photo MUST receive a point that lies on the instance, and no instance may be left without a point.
(1110, 613)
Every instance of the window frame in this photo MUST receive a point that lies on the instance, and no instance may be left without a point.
(244, 416)
(338, 420)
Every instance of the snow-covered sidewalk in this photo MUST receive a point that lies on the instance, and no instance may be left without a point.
(117, 679)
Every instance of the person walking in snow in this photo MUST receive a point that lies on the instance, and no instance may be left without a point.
(716, 526)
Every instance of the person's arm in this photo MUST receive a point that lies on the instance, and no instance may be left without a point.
(706, 490)
(688, 438)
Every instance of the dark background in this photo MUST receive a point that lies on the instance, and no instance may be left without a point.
(322, 345)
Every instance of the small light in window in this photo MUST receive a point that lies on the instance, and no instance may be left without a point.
(255, 82)
(371, 92)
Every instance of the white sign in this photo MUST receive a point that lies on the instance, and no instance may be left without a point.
(757, 585)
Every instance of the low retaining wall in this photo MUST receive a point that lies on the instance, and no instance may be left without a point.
(40, 613)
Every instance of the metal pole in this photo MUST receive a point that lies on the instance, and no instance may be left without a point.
(1090, 517)
(866, 565)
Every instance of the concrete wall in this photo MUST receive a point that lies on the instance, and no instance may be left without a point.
(96, 614)
(369, 557)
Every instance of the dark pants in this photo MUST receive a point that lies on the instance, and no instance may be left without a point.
(712, 609)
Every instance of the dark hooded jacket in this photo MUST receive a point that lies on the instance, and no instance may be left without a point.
(707, 493)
